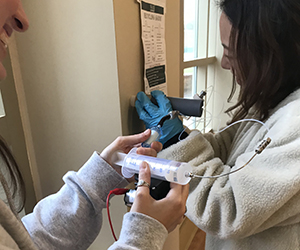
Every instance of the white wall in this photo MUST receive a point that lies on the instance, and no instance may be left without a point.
(68, 63)
(69, 69)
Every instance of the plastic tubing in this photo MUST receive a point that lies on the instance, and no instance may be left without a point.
(172, 171)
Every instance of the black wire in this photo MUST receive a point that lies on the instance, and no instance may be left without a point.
(162, 120)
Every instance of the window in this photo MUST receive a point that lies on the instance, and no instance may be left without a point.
(199, 34)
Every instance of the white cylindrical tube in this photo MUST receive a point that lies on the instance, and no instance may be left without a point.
(162, 169)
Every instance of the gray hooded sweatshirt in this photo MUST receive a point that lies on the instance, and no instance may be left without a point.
(71, 219)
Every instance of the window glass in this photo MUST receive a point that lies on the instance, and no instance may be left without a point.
(200, 19)
(190, 29)
(189, 82)
(195, 29)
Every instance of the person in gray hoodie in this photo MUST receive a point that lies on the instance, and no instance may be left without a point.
(72, 218)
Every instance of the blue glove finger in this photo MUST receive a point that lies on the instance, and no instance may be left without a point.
(144, 116)
(148, 112)
(143, 98)
(162, 101)
(147, 105)
(141, 112)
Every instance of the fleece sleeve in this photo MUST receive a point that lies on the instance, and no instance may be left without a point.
(264, 194)
(71, 219)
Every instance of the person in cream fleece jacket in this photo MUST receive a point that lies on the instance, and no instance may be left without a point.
(258, 206)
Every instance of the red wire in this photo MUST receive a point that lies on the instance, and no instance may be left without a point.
(116, 191)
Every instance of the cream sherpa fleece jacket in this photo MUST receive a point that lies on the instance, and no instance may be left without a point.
(257, 207)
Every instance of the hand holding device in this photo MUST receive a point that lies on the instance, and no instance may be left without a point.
(151, 114)
(170, 210)
(126, 143)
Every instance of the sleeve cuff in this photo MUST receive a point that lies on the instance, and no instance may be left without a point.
(142, 232)
(98, 176)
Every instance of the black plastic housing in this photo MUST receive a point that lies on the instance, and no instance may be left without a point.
(187, 107)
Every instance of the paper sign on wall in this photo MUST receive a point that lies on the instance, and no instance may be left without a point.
(153, 37)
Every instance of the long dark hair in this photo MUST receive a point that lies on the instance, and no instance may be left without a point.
(11, 179)
(265, 36)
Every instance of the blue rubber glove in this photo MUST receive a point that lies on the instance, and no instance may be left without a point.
(151, 114)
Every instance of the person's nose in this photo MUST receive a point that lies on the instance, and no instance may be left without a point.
(19, 19)
(225, 64)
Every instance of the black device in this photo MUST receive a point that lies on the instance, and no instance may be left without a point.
(187, 107)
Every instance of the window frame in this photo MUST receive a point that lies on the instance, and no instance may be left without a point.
(206, 64)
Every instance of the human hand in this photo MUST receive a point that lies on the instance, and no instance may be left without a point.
(151, 114)
(126, 143)
(170, 210)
